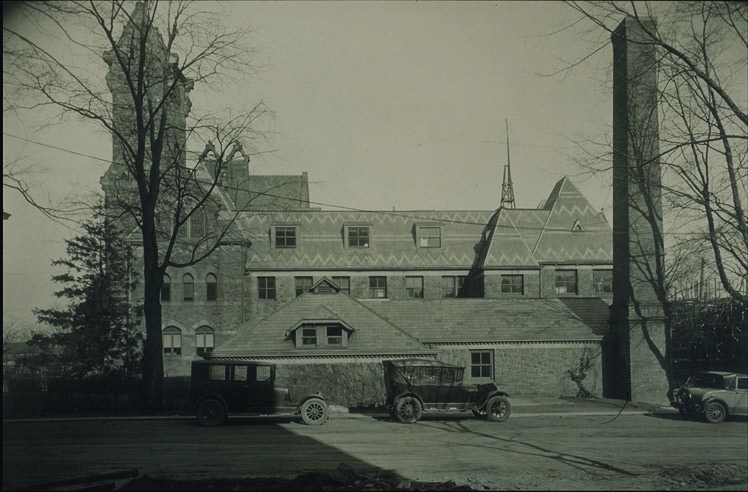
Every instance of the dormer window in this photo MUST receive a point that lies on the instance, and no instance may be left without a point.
(321, 334)
(429, 236)
(285, 237)
(357, 236)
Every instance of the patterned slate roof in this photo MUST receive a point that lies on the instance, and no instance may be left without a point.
(393, 239)
(524, 237)
(488, 320)
(371, 334)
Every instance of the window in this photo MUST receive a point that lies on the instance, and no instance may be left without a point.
(454, 286)
(240, 373)
(217, 372)
(285, 237)
(512, 284)
(334, 335)
(264, 374)
(266, 287)
(358, 237)
(204, 340)
(197, 224)
(344, 283)
(414, 287)
(481, 363)
(566, 281)
(309, 337)
(188, 287)
(378, 287)
(429, 237)
(166, 289)
(172, 340)
(303, 284)
(211, 287)
(602, 281)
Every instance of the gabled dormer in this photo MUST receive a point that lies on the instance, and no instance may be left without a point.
(321, 328)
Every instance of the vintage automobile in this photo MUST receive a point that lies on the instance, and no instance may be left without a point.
(415, 386)
(713, 394)
(219, 389)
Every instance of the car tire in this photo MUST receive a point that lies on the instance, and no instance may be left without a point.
(715, 412)
(408, 410)
(315, 412)
(498, 409)
(210, 413)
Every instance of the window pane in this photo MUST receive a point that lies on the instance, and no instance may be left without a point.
(358, 237)
(566, 281)
(188, 285)
(334, 335)
(429, 237)
(344, 283)
(303, 284)
(263, 373)
(166, 289)
(512, 284)
(448, 286)
(309, 336)
(378, 287)
(240, 373)
(602, 281)
(266, 287)
(285, 237)
(481, 364)
(217, 373)
(414, 287)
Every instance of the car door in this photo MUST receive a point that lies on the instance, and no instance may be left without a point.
(741, 396)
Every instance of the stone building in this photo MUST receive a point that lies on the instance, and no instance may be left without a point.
(518, 295)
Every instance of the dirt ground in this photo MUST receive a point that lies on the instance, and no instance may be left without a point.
(704, 477)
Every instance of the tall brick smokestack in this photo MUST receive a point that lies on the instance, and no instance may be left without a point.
(637, 322)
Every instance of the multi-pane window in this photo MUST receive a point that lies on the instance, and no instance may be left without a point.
(309, 337)
(344, 283)
(481, 363)
(266, 287)
(285, 237)
(602, 281)
(334, 335)
(197, 224)
(303, 284)
(358, 237)
(414, 287)
(512, 284)
(211, 287)
(429, 237)
(454, 286)
(378, 287)
(204, 340)
(172, 340)
(566, 282)
(188, 287)
(166, 289)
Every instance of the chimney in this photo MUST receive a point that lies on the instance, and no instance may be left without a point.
(637, 325)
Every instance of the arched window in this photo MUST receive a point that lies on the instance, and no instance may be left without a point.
(197, 224)
(166, 289)
(204, 340)
(172, 339)
(211, 287)
(188, 287)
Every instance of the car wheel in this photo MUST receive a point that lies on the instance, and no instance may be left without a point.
(408, 409)
(314, 412)
(210, 413)
(715, 412)
(498, 408)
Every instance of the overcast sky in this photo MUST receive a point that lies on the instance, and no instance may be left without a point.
(385, 104)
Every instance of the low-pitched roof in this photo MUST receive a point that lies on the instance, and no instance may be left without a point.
(372, 334)
(490, 320)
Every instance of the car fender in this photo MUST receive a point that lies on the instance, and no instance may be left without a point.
(482, 404)
(706, 401)
(307, 398)
(407, 393)
(210, 396)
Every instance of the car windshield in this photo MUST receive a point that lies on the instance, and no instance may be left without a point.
(708, 381)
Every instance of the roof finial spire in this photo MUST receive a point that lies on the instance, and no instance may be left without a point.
(507, 190)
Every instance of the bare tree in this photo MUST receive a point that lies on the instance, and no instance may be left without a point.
(699, 106)
(155, 53)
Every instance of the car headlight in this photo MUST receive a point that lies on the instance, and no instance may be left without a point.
(684, 396)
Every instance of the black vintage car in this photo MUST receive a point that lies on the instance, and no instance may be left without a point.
(415, 386)
(219, 389)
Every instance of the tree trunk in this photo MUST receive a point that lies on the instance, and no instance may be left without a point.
(153, 368)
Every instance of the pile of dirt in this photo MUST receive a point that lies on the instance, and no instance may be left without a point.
(708, 475)
(344, 477)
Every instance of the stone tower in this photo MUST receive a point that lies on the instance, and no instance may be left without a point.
(637, 322)
(160, 80)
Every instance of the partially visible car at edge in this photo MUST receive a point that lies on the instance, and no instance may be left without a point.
(715, 395)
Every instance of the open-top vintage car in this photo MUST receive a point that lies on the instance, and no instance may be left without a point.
(713, 394)
(415, 386)
(219, 389)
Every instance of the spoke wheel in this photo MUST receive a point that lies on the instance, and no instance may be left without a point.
(715, 412)
(408, 410)
(211, 413)
(314, 412)
(498, 408)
